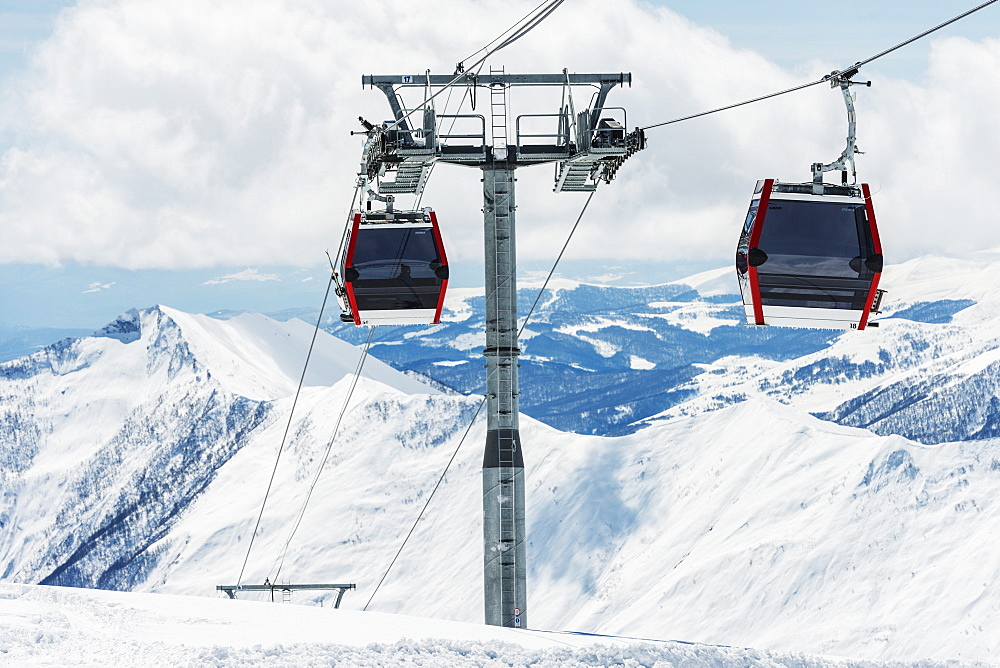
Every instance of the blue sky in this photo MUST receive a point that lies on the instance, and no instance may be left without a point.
(790, 32)
(149, 149)
(782, 30)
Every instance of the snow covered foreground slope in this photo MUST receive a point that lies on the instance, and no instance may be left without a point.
(45, 626)
(137, 460)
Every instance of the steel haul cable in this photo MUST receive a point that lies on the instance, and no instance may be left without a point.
(288, 426)
(501, 35)
(291, 413)
(531, 25)
(280, 560)
(852, 70)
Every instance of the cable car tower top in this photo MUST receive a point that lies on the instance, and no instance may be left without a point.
(587, 148)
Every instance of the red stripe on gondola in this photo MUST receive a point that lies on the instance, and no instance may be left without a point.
(876, 243)
(349, 262)
(877, 247)
(444, 262)
(758, 225)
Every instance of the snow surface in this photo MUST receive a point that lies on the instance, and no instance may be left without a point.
(257, 358)
(56, 626)
(756, 525)
(713, 282)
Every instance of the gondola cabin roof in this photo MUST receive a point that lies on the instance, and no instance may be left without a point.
(394, 267)
(809, 255)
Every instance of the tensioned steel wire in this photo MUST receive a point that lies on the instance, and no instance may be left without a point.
(552, 7)
(853, 68)
(280, 561)
(482, 403)
(284, 438)
(528, 26)
(291, 413)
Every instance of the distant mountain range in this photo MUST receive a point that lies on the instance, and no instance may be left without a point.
(21, 341)
(609, 360)
(725, 511)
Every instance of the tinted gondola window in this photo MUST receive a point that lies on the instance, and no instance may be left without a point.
(815, 253)
(747, 226)
(815, 239)
(396, 268)
(381, 253)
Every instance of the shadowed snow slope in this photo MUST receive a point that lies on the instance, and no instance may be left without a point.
(132, 461)
(755, 526)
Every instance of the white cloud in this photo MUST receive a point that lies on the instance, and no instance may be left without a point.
(98, 287)
(245, 275)
(153, 134)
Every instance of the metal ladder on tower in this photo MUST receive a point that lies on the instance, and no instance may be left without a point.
(498, 115)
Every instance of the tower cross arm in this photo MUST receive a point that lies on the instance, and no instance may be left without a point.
(377, 80)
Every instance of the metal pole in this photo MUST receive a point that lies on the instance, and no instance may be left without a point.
(504, 563)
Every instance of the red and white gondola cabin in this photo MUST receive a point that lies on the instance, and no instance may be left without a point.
(395, 269)
(808, 259)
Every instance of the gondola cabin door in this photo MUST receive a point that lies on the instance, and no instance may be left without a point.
(394, 268)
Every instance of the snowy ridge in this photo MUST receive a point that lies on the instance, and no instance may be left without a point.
(48, 625)
(255, 359)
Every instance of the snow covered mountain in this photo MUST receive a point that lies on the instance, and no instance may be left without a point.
(106, 439)
(137, 459)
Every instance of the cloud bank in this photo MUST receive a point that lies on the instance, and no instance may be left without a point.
(180, 135)
(248, 274)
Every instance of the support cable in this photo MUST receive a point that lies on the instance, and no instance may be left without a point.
(555, 264)
(280, 561)
(427, 503)
(298, 391)
(501, 35)
(845, 73)
(733, 106)
(532, 23)
(288, 426)
(921, 35)
(479, 408)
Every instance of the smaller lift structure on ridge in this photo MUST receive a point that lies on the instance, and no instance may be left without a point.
(809, 254)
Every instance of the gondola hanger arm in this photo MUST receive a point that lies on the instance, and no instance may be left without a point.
(842, 79)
